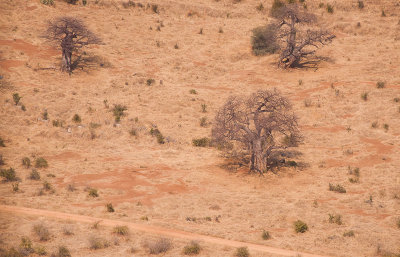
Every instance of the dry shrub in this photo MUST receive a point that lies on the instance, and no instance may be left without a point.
(192, 249)
(264, 40)
(98, 243)
(42, 231)
(157, 246)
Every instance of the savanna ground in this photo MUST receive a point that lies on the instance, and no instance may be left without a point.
(179, 186)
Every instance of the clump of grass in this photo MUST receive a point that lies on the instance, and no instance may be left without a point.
(2, 142)
(203, 108)
(360, 4)
(25, 247)
(96, 224)
(40, 250)
(383, 14)
(118, 111)
(41, 163)
(193, 91)
(157, 246)
(42, 231)
(338, 188)
(121, 230)
(364, 96)
(68, 230)
(329, 8)
(192, 249)
(337, 219)
(63, 252)
(45, 115)
(260, 7)
(203, 122)
(8, 174)
(145, 218)
(133, 132)
(300, 226)
(265, 235)
(155, 132)
(264, 40)
(242, 252)
(93, 192)
(150, 82)
(16, 98)
(154, 8)
(110, 207)
(58, 123)
(386, 127)
(47, 186)
(26, 162)
(380, 84)
(47, 2)
(201, 142)
(77, 118)
(71, 187)
(348, 233)
(15, 187)
(96, 243)
(374, 124)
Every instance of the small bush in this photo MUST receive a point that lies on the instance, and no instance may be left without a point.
(8, 174)
(338, 188)
(47, 2)
(77, 118)
(160, 245)
(260, 7)
(63, 252)
(364, 96)
(2, 142)
(291, 163)
(58, 123)
(47, 186)
(41, 163)
(383, 14)
(16, 98)
(45, 115)
(265, 235)
(110, 207)
(96, 243)
(360, 4)
(337, 219)
(154, 8)
(193, 91)
(40, 250)
(386, 127)
(203, 108)
(26, 246)
(155, 132)
(300, 226)
(201, 142)
(374, 124)
(150, 82)
(34, 175)
(121, 230)
(41, 231)
(93, 192)
(264, 40)
(192, 249)
(276, 5)
(118, 112)
(329, 8)
(203, 122)
(68, 230)
(380, 84)
(26, 162)
(15, 187)
(242, 252)
(348, 233)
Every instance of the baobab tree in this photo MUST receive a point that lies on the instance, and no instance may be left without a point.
(71, 34)
(259, 125)
(295, 30)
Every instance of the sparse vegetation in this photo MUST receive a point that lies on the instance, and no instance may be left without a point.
(203, 122)
(203, 108)
(192, 249)
(25, 247)
(96, 243)
(380, 84)
(68, 230)
(338, 188)
(110, 207)
(264, 40)
(121, 230)
(157, 246)
(150, 82)
(63, 252)
(201, 142)
(364, 96)
(193, 91)
(93, 192)
(41, 231)
(156, 133)
(8, 174)
(77, 118)
(335, 218)
(26, 162)
(41, 163)
(360, 4)
(265, 235)
(242, 252)
(2, 142)
(16, 98)
(47, 2)
(15, 187)
(300, 226)
(348, 233)
(329, 8)
(118, 111)
(57, 123)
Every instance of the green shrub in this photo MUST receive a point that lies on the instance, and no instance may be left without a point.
(110, 207)
(380, 84)
(201, 142)
(265, 235)
(41, 231)
(329, 8)
(26, 162)
(34, 175)
(348, 233)
(160, 245)
(156, 133)
(300, 226)
(150, 82)
(63, 252)
(118, 112)
(96, 243)
(16, 98)
(337, 219)
(121, 230)
(192, 249)
(242, 252)
(8, 174)
(41, 163)
(93, 192)
(264, 40)
(77, 118)
(338, 188)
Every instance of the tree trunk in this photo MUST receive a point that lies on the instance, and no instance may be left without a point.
(258, 161)
(66, 60)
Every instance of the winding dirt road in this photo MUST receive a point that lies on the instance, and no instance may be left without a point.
(16, 210)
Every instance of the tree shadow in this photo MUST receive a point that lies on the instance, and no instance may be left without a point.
(311, 62)
(87, 62)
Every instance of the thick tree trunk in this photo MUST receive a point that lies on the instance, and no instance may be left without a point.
(258, 161)
(66, 60)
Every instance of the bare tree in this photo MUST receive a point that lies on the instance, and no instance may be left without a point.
(72, 35)
(258, 125)
(300, 40)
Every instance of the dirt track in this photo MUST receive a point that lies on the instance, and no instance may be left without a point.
(153, 229)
